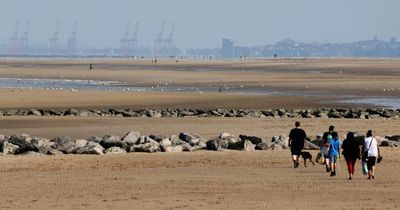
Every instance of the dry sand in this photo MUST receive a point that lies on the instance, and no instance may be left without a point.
(200, 180)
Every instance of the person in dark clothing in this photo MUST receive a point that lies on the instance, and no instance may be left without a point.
(296, 143)
(351, 152)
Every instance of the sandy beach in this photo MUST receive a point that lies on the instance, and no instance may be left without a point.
(198, 180)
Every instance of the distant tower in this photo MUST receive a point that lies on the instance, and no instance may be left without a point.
(124, 42)
(159, 40)
(13, 46)
(72, 42)
(54, 40)
(24, 41)
(134, 40)
(169, 42)
(228, 48)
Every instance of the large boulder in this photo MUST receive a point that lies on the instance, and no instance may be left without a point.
(115, 150)
(213, 144)
(91, 148)
(158, 138)
(9, 148)
(248, 146)
(64, 144)
(393, 138)
(263, 146)
(113, 141)
(165, 143)
(131, 138)
(310, 146)
(34, 112)
(253, 139)
(27, 148)
(178, 142)
(389, 143)
(245, 145)
(218, 143)
(276, 146)
(44, 145)
(191, 137)
(281, 140)
(3, 139)
(150, 147)
(20, 139)
(95, 139)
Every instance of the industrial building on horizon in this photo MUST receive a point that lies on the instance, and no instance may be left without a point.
(164, 46)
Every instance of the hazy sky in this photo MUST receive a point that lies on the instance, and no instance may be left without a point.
(203, 23)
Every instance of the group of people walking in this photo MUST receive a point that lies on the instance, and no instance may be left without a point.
(332, 148)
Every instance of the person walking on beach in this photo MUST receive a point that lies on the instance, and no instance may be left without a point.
(326, 137)
(334, 152)
(296, 143)
(351, 152)
(371, 152)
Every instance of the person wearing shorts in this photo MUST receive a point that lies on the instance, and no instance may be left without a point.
(326, 137)
(296, 143)
(372, 151)
(334, 152)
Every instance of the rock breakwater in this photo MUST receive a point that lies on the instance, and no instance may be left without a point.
(354, 113)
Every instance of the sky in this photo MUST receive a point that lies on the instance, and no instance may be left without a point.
(203, 23)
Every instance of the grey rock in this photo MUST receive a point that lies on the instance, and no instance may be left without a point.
(389, 143)
(81, 143)
(3, 139)
(213, 145)
(323, 115)
(34, 112)
(253, 139)
(27, 148)
(155, 114)
(20, 139)
(185, 113)
(281, 140)
(158, 138)
(95, 139)
(393, 138)
(176, 141)
(113, 141)
(131, 138)
(30, 153)
(43, 144)
(73, 112)
(115, 150)
(275, 146)
(190, 136)
(165, 143)
(64, 144)
(263, 146)
(54, 152)
(150, 147)
(245, 145)
(248, 146)
(91, 148)
(9, 148)
(310, 146)
(173, 149)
